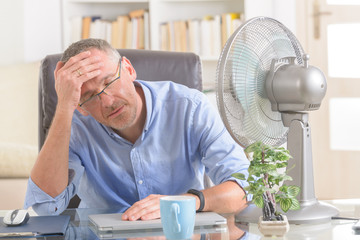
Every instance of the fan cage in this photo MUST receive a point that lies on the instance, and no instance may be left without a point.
(241, 74)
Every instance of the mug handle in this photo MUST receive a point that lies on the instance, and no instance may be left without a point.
(175, 210)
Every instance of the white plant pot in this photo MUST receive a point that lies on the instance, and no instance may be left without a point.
(271, 228)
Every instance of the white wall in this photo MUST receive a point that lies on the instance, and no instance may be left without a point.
(42, 29)
(30, 29)
(281, 10)
(285, 12)
(12, 31)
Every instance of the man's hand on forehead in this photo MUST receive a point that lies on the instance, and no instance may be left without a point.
(85, 65)
(69, 77)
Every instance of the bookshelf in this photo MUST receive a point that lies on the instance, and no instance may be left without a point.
(159, 12)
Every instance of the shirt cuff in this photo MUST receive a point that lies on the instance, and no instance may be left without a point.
(43, 203)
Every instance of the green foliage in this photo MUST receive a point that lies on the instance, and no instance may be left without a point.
(264, 177)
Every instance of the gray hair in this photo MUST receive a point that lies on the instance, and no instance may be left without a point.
(86, 44)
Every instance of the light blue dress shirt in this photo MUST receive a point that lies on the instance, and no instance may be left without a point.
(183, 138)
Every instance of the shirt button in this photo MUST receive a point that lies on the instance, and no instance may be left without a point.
(140, 181)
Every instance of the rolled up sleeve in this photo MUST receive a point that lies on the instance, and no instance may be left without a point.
(43, 204)
(222, 156)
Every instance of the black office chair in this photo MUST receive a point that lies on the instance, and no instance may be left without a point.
(184, 68)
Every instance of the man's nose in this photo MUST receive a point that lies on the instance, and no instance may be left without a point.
(106, 99)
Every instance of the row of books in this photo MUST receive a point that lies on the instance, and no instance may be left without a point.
(126, 31)
(205, 37)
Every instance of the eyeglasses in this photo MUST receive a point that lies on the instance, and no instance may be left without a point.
(94, 99)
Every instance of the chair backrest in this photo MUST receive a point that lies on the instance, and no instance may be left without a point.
(183, 68)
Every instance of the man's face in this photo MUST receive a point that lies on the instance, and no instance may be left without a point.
(117, 106)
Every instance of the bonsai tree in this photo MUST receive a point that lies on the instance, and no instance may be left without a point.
(265, 178)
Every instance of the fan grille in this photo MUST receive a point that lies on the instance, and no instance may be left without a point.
(241, 75)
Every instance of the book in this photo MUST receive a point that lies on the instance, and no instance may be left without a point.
(122, 30)
(141, 34)
(128, 35)
(216, 36)
(229, 23)
(89, 27)
(205, 29)
(139, 13)
(134, 32)
(194, 35)
(204, 36)
(163, 37)
(95, 29)
(183, 36)
(146, 30)
(115, 34)
(86, 27)
(126, 31)
(177, 36)
(108, 31)
(137, 18)
(171, 36)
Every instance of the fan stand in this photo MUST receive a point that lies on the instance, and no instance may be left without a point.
(311, 210)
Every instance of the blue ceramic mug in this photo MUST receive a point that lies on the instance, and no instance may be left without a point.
(178, 216)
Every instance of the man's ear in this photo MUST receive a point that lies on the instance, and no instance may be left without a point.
(128, 66)
(82, 111)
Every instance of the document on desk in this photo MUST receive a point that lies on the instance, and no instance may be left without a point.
(113, 222)
(37, 226)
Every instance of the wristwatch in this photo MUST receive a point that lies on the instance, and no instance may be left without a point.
(200, 195)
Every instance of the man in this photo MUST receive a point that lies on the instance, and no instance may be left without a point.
(123, 143)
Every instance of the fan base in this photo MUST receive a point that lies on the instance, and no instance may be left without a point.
(318, 212)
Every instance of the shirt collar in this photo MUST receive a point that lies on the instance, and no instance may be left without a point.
(148, 103)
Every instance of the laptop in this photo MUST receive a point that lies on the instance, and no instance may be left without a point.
(112, 222)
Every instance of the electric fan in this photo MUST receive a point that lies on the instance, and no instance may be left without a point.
(264, 88)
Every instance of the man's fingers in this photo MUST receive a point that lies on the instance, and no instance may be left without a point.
(83, 64)
(83, 77)
(152, 215)
(86, 64)
(147, 208)
(59, 65)
(87, 68)
(78, 58)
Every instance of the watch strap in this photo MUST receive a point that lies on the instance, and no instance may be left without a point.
(200, 195)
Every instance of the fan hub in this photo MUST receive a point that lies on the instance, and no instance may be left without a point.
(296, 88)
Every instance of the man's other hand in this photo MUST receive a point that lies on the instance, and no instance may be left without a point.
(145, 209)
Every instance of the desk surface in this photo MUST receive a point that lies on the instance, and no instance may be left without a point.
(335, 229)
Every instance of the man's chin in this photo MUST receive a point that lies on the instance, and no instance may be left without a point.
(119, 124)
